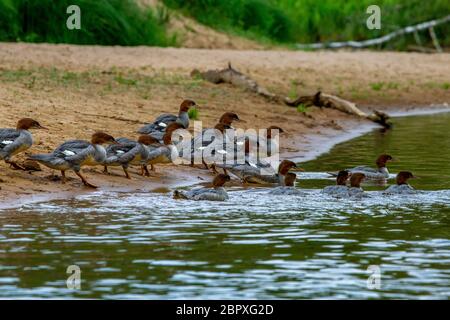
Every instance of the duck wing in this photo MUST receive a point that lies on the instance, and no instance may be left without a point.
(8, 141)
(363, 169)
(159, 125)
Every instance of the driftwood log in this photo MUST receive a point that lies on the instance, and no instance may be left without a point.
(232, 76)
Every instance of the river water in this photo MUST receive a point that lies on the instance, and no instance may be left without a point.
(254, 246)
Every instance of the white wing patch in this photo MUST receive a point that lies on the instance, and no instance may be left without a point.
(162, 124)
(240, 143)
(201, 148)
(253, 165)
(120, 152)
(221, 151)
(7, 142)
(68, 153)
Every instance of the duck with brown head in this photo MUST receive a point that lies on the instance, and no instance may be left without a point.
(158, 127)
(289, 188)
(14, 141)
(163, 153)
(74, 154)
(216, 193)
(341, 184)
(402, 186)
(379, 173)
(254, 173)
(129, 152)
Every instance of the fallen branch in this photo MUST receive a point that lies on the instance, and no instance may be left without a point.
(236, 78)
(325, 100)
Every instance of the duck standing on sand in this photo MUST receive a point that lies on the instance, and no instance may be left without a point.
(402, 186)
(289, 187)
(340, 189)
(14, 141)
(128, 152)
(158, 127)
(163, 153)
(217, 193)
(380, 173)
(74, 154)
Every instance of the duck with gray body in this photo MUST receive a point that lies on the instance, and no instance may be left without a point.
(158, 127)
(216, 193)
(379, 173)
(15, 141)
(74, 154)
(128, 152)
(401, 186)
(288, 189)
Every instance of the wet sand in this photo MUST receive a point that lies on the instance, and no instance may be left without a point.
(75, 90)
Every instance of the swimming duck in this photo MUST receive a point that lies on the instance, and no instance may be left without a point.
(74, 154)
(340, 189)
(14, 141)
(380, 173)
(402, 186)
(158, 127)
(288, 188)
(163, 153)
(217, 193)
(355, 184)
(256, 173)
(128, 152)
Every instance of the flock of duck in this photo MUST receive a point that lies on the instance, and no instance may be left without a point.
(155, 146)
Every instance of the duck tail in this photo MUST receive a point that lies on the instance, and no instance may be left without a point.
(178, 195)
(333, 174)
(39, 157)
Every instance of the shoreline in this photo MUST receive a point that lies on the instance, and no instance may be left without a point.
(196, 176)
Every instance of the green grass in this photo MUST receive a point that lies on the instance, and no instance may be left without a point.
(103, 22)
(305, 21)
(302, 108)
(193, 113)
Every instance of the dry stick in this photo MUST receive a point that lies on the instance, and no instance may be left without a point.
(435, 39)
(236, 78)
(376, 41)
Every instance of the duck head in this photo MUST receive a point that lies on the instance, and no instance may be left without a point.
(287, 165)
(404, 176)
(356, 179)
(171, 128)
(186, 105)
(102, 138)
(342, 177)
(274, 129)
(383, 159)
(289, 179)
(28, 123)
(147, 140)
(220, 180)
(228, 118)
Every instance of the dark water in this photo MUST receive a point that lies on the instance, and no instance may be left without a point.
(253, 246)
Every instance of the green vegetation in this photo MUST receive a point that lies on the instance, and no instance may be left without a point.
(193, 113)
(103, 22)
(301, 108)
(304, 21)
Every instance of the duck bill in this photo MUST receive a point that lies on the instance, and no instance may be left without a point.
(41, 127)
(298, 169)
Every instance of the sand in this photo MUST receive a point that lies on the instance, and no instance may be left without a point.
(76, 90)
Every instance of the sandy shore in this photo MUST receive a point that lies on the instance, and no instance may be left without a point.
(75, 90)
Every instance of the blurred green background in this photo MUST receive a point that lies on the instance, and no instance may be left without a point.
(124, 22)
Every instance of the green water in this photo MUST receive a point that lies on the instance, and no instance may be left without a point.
(149, 246)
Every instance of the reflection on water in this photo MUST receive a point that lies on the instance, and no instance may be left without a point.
(148, 245)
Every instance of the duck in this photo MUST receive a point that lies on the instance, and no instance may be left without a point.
(380, 173)
(401, 186)
(259, 173)
(163, 153)
(157, 128)
(216, 193)
(128, 152)
(341, 184)
(355, 189)
(74, 154)
(288, 188)
(15, 141)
